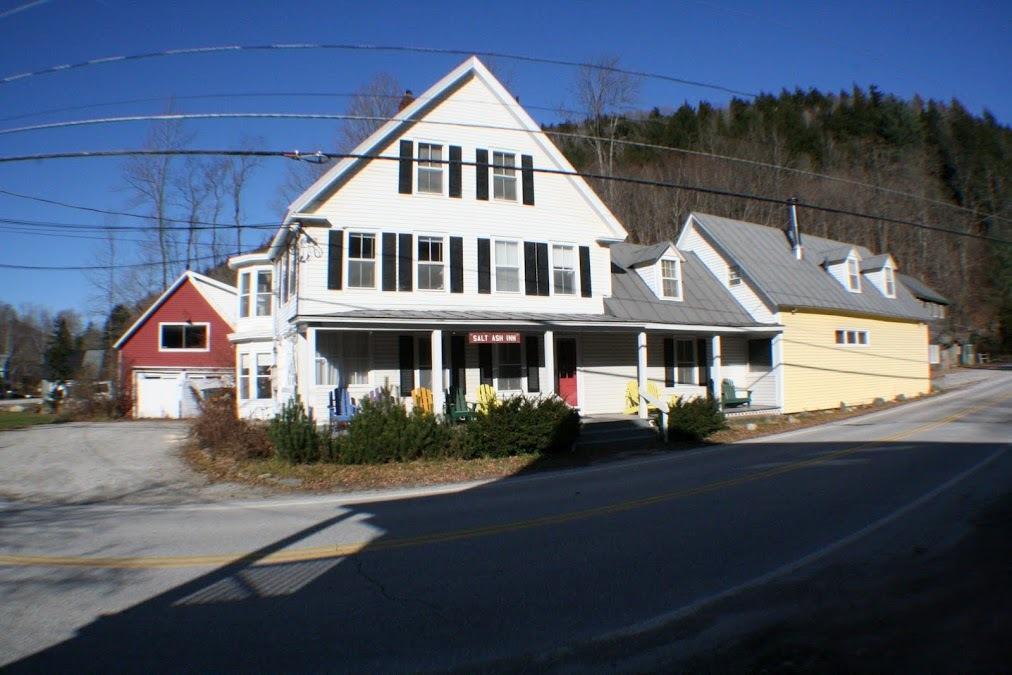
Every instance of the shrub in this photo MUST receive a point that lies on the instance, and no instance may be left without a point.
(294, 434)
(383, 431)
(218, 429)
(694, 420)
(520, 425)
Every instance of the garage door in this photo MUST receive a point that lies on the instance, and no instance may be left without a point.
(158, 394)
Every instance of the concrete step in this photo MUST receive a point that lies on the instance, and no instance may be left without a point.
(626, 433)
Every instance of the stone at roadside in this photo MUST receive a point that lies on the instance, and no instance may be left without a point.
(791, 419)
(751, 426)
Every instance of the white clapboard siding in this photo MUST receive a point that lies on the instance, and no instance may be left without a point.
(607, 362)
(735, 367)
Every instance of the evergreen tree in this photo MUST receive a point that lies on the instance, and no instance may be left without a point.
(60, 353)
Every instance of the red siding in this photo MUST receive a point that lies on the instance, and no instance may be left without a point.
(185, 304)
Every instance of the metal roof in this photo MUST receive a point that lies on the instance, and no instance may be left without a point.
(632, 255)
(764, 255)
(921, 290)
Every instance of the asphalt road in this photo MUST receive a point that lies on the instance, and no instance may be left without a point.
(521, 573)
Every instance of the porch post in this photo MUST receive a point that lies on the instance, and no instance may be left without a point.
(778, 368)
(641, 372)
(715, 366)
(549, 380)
(305, 385)
(438, 395)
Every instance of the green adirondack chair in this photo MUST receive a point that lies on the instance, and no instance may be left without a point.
(729, 397)
(457, 407)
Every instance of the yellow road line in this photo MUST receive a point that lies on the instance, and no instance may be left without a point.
(338, 551)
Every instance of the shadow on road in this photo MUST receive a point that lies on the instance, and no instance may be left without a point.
(522, 566)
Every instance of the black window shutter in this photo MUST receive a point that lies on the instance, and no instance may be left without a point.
(335, 259)
(481, 174)
(484, 266)
(455, 171)
(543, 271)
(456, 264)
(669, 362)
(406, 351)
(404, 262)
(585, 290)
(404, 177)
(702, 362)
(389, 261)
(530, 268)
(458, 363)
(533, 363)
(527, 178)
(485, 364)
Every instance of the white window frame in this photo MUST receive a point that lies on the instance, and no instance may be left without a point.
(207, 333)
(851, 337)
(888, 282)
(250, 375)
(245, 293)
(692, 363)
(340, 368)
(520, 268)
(429, 167)
(375, 259)
(677, 278)
(497, 364)
(572, 270)
(733, 276)
(244, 371)
(852, 273)
(251, 297)
(492, 174)
(418, 261)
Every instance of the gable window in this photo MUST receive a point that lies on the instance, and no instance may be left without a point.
(890, 282)
(342, 358)
(431, 263)
(177, 337)
(733, 276)
(671, 279)
(852, 338)
(564, 269)
(507, 267)
(255, 302)
(361, 260)
(853, 276)
(430, 168)
(504, 176)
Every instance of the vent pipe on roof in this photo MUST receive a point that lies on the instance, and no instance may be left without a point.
(794, 234)
(406, 100)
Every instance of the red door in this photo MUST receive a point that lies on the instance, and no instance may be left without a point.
(565, 362)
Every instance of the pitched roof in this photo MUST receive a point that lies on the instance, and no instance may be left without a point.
(220, 296)
(765, 258)
(834, 255)
(704, 300)
(876, 262)
(633, 255)
(921, 290)
(414, 113)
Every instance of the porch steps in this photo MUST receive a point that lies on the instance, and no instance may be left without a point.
(619, 432)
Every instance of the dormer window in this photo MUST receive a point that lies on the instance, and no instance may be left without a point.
(890, 282)
(853, 276)
(430, 168)
(504, 176)
(671, 279)
(733, 276)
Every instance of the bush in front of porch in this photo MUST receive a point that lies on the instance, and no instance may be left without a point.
(519, 425)
(694, 419)
(383, 431)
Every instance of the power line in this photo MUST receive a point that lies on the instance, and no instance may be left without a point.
(132, 228)
(79, 268)
(376, 48)
(559, 172)
(561, 134)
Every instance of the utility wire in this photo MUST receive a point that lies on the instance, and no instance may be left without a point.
(559, 172)
(367, 47)
(78, 268)
(131, 228)
(550, 132)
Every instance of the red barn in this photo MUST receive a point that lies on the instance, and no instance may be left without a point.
(180, 344)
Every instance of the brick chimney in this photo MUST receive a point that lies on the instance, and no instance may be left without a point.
(406, 100)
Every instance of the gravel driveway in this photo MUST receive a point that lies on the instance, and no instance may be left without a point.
(119, 462)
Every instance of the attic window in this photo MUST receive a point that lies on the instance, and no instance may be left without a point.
(853, 276)
(671, 279)
(733, 276)
(890, 282)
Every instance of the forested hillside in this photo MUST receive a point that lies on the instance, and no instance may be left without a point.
(929, 162)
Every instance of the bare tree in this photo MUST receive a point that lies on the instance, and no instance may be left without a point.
(240, 170)
(372, 105)
(192, 191)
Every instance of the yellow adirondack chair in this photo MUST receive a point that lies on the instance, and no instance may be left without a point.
(486, 398)
(632, 399)
(422, 398)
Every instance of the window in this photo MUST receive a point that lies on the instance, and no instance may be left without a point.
(184, 337)
(424, 351)
(507, 266)
(342, 359)
(283, 286)
(851, 338)
(564, 269)
(509, 368)
(430, 168)
(361, 260)
(259, 383)
(293, 270)
(504, 176)
(733, 276)
(890, 282)
(760, 355)
(263, 383)
(430, 263)
(671, 279)
(853, 276)
(244, 377)
(685, 362)
(258, 301)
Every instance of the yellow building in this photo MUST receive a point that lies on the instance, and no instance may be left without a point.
(851, 332)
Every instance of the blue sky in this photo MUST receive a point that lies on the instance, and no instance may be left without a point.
(940, 50)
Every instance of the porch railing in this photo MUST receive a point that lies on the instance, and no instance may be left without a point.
(662, 408)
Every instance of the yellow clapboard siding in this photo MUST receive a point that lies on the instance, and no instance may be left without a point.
(820, 374)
